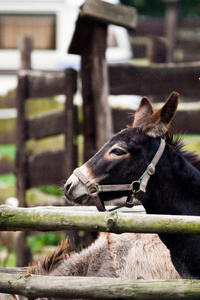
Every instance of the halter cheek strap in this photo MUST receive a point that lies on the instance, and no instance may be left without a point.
(139, 185)
(151, 167)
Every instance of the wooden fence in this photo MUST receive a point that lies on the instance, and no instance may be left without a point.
(66, 218)
(34, 286)
(157, 81)
(150, 39)
(54, 218)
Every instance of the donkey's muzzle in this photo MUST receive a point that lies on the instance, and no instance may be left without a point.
(75, 191)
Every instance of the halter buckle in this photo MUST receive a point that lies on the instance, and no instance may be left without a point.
(151, 169)
(93, 189)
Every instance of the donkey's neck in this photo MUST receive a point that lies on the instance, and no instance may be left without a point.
(177, 191)
(174, 188)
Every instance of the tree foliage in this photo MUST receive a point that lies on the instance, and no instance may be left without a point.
(157, 8)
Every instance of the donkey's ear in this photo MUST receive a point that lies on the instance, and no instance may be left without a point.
(142, 114)
(159, 122)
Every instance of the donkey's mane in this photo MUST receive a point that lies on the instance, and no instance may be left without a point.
(178, 144)
(50, 262)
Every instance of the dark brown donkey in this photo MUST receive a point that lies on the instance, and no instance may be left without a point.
(145, 162)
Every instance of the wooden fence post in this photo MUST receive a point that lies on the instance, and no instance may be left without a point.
(71, 120)
(89, 41)
(20, 139)
(156, 50)
(171, 20)
(98, 126)
(25, 48)
(23, 252)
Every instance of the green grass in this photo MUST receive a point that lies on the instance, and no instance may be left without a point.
(12, 260)
(192, 143)
(8, 179)
(42, 105)
(8, 151)
(36, 242)
(51, 190)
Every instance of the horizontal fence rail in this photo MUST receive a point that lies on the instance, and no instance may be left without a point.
(18, 281)
(132, 79)
(34, 286)
(61, 218)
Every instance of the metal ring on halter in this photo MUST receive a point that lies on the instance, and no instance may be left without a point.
(129, 201)
(93, 188)
(137, 189)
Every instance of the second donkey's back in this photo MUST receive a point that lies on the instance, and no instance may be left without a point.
(128, 255)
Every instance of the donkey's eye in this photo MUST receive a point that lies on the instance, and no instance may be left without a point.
(117, 151)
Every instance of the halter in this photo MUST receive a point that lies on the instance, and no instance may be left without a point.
(136, 186)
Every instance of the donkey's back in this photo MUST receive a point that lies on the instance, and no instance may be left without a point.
(127, 255)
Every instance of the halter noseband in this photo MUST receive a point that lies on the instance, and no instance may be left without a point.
(138, 185)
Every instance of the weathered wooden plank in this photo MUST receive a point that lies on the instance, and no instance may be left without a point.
(7, 137)
(95, 12)
(25, 46)
(6, 165)
(46, 85)
(97, 115)
(107, 13)
(138, 208)
(70, 123)
(151, 26)
(45, 125)
(57, 218)
(20, 139)
(13, 270)
(99, 74)
(81, 36)
(41, 84)
(155, 79)
(46, 168)
(88, 103)
(34, 286)
(171, 21)
(185, 121)
(21, 172)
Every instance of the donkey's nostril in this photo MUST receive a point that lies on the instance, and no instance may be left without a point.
(67, 187)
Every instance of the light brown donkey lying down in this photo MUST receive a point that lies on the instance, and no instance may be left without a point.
(128, 255)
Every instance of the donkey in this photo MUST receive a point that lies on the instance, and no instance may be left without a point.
(119, 162)
(127, 255)
(8, 297)
(145, 162)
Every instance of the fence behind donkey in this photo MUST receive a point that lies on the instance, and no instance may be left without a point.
(51, 218)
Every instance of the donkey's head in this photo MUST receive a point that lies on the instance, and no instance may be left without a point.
(125, 157)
